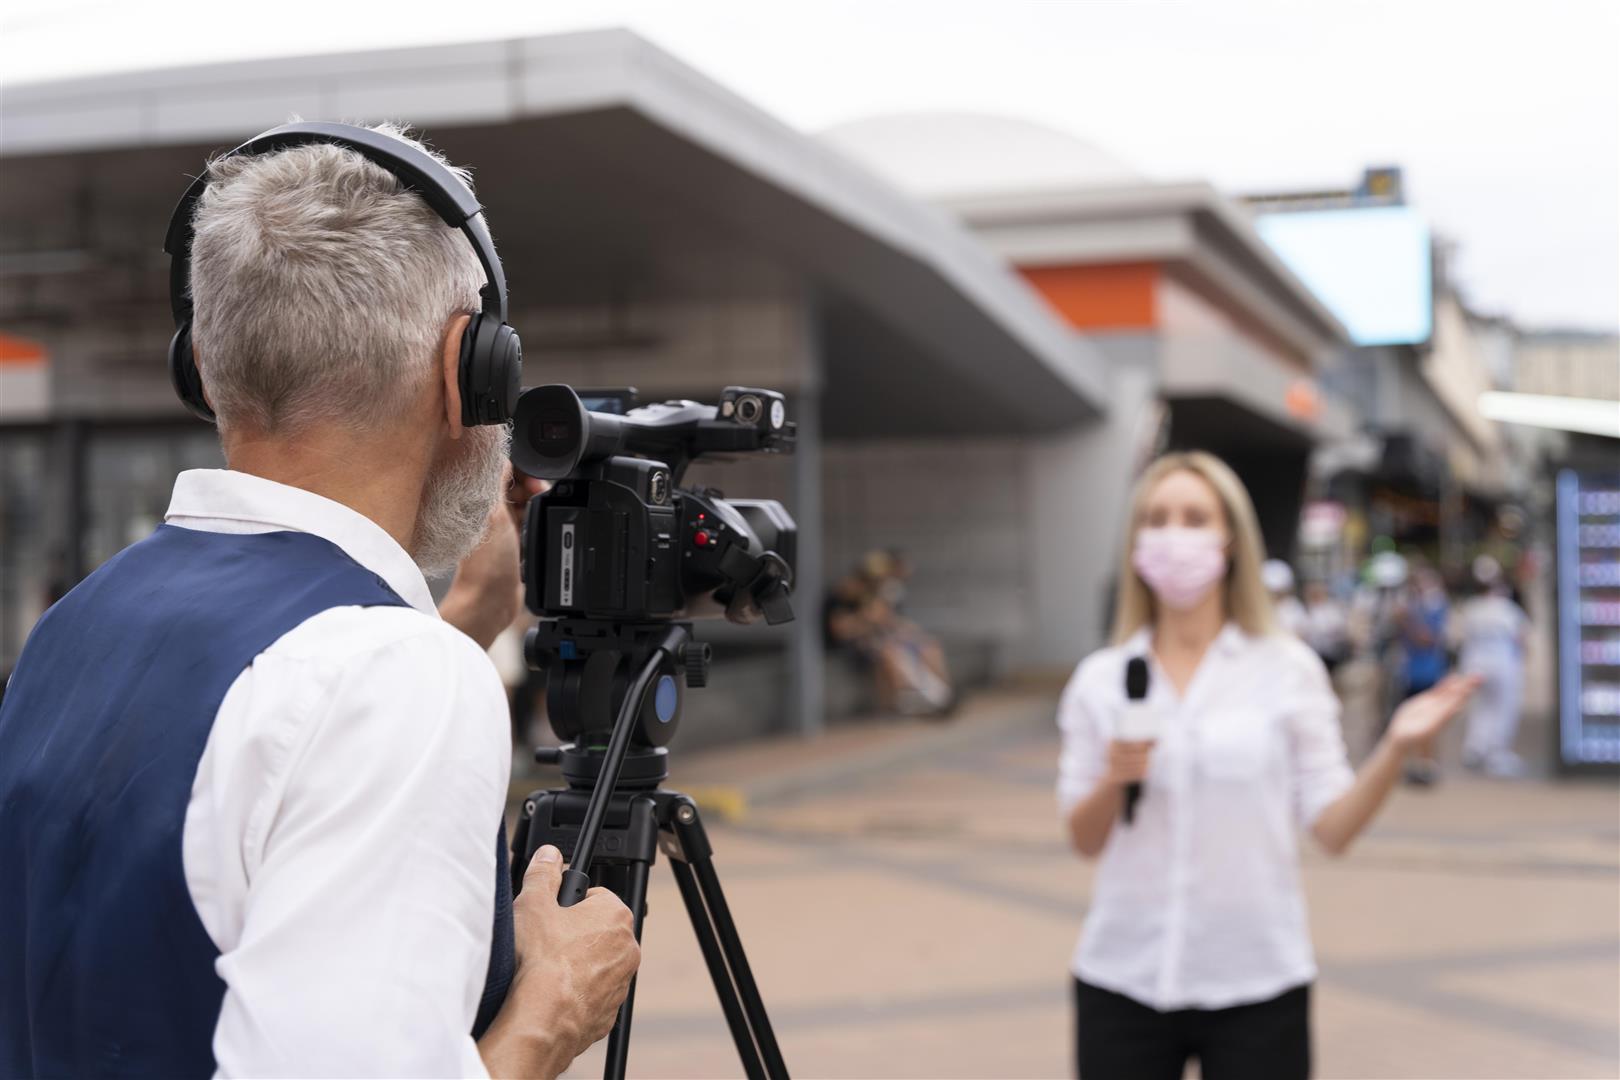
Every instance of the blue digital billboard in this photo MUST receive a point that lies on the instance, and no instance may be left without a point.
(1588, 536)
(1370, 266)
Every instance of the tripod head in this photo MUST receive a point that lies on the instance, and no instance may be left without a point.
(633, 674)
(591, 666)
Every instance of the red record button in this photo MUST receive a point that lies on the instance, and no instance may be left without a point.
(702, 538)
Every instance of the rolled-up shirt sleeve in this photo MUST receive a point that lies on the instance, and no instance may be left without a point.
(1084, 755)
(367, 923)
(1319, 765)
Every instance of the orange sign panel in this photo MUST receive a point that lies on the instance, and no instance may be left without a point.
(21, 351)
(1119, 296)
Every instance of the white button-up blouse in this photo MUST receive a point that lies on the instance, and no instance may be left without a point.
(1197, 903)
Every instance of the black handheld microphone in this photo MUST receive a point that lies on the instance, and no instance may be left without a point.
(1137, 725)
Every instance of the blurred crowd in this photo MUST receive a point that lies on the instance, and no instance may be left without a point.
(1400, 616)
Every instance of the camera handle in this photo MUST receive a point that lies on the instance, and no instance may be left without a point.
(576, 880)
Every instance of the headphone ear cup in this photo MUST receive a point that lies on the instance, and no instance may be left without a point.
(491, 372)
(184, 375)
(467, 373)
(506, 372)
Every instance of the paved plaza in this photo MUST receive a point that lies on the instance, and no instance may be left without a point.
(909, 908)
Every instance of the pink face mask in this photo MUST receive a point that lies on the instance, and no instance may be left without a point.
(1180, 565)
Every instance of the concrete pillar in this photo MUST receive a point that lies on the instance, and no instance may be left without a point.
(807, 659)
(68, 493)
(1080, 482)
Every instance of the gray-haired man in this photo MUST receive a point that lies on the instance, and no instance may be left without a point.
(325, 904)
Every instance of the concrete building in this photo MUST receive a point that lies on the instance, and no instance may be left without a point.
(1567, 363)
(1168, 280)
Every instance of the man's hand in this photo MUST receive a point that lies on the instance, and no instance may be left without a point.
(1127, 762)
(486, 593)
(574, 970)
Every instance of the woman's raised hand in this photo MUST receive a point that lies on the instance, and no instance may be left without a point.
(1425, 714)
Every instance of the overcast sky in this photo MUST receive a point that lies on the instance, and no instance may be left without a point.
(1506, 116)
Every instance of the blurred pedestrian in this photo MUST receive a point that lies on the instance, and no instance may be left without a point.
(1196, 943)
(1423, 617)
(1494, 630)
(1278, 577)
(1327, 626)
(1376, 605)
(907, 664)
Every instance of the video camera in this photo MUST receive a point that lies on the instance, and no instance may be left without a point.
(617, 539)
(617, 557)
(617, 551)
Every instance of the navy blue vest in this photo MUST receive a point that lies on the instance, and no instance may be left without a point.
(105, 968)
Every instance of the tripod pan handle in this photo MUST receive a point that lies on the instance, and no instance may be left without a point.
(573, 889)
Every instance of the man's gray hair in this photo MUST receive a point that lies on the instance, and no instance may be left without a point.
(322, 286)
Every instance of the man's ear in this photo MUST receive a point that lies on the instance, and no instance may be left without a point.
(450, 365)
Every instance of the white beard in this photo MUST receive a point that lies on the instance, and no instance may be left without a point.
(458, 500)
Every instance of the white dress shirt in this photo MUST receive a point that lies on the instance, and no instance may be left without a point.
(340, 839)
(1197, 903)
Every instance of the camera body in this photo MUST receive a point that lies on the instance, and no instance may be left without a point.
(616, 539)
(622, 546)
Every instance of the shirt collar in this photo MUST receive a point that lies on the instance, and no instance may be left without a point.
(223, 496)
(1230, 640)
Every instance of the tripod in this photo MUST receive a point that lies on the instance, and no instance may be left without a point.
(613, 817)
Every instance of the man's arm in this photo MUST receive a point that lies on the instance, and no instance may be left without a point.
(574, 969)
(365, 929)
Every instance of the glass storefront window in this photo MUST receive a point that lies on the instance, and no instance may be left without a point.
(129, 476)
(25, 564)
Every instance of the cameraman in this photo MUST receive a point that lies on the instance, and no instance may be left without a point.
(320, 892)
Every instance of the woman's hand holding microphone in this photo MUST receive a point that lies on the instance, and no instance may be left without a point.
(1093, 817)
(1127, 761)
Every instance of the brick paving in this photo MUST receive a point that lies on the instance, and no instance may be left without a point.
(909, 909)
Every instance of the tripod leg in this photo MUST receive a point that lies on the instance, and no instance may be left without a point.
(634, 894)
(732, 947)
(703, 929)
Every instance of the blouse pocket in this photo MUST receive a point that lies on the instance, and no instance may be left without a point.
(1233, 744)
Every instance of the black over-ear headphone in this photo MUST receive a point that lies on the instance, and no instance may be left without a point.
(491, 354)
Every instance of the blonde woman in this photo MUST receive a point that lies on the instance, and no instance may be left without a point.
(1196, 943)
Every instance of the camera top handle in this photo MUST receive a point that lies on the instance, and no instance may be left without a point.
(554, 435)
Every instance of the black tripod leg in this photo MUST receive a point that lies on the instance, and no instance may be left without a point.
(703, 929)
(634, 895)
(732, 947)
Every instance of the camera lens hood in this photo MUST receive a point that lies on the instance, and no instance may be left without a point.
(553, 433)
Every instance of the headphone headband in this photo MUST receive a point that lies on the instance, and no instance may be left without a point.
(490, 369)
(418, 170)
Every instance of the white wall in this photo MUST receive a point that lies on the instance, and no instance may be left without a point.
(1013, 540)
(1079, 485)
(959, 509)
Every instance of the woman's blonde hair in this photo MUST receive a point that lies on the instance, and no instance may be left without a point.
(1244, 595)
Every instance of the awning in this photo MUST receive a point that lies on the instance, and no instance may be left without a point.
(607, 167)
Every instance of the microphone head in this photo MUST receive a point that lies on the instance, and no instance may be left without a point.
(1136, 678)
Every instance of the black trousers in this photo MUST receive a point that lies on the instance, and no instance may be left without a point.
(1118, 1038)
